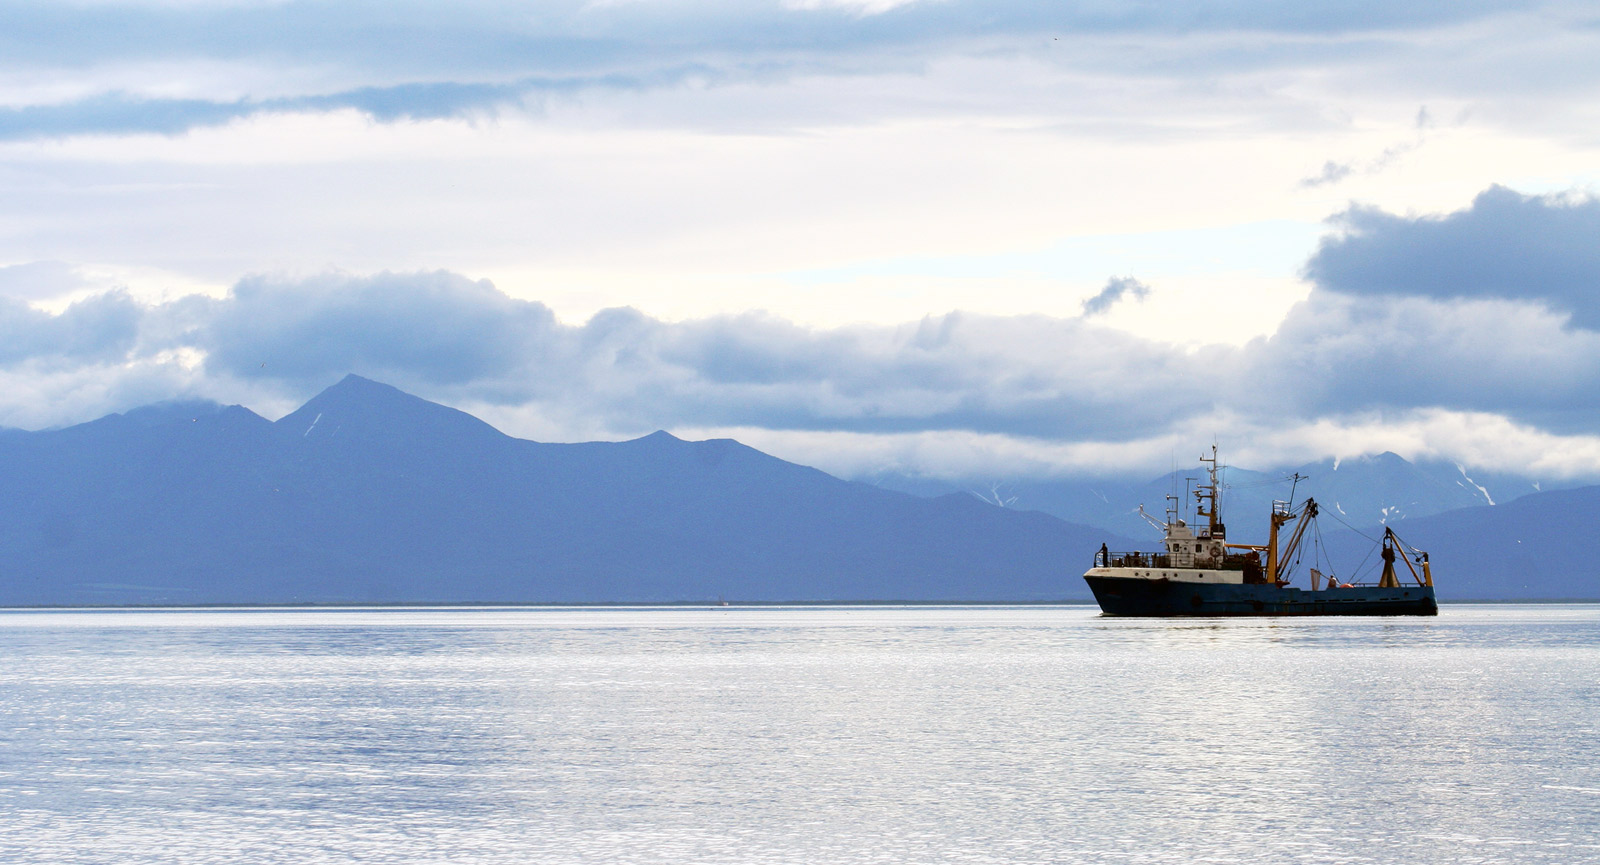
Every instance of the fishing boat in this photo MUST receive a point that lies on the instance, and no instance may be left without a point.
(1198, 572)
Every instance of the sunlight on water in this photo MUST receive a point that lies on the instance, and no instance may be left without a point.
(850, 734)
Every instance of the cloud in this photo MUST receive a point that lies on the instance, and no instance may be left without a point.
(1116, 289)
(100, 328)
(39, 280)
(449, 337)
(416, 60)
(431, 328)
(1506, 245)
(1335, 172)
(1467, 438)
(1336, 354)
(1033, 391)
(119, 112)
(114, 112)
(1332, 172)
(858, 7)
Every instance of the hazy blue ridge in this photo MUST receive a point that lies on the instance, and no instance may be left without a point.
(367, 494)
(1537, 546)
(1364, 491)
(1529, 544)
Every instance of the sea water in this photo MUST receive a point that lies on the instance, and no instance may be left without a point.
(797, 735)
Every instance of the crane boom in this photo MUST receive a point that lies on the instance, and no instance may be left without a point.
(1308, 512)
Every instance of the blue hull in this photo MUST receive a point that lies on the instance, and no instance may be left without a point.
(1134, 597)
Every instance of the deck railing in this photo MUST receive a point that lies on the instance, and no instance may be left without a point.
(1110, 559)
(1106, 559)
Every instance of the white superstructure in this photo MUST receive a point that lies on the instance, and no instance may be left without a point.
(1189, 554)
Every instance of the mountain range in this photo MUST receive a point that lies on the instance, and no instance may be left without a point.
(1490, 535)
(1364, 491)
(369, 495)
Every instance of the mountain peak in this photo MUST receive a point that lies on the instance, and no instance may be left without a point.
(166, 414)
(172, 411)
(353, 385)
(361, 406)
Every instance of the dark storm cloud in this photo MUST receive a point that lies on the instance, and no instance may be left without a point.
(1507, 245)
(425, 60)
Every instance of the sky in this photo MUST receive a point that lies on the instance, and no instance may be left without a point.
(953, 239)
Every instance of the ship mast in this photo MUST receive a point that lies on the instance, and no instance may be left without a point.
(1206, 499)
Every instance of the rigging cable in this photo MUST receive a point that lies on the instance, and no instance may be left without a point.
(1316, 540)
(1350, 527)
(1416, 554)
(1253, 484)
(1355, 575)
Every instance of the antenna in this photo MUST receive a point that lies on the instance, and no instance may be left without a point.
(1296, 479)
(1205, 498)
(1172, 480)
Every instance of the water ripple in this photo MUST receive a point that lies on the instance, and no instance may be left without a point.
(848, 735)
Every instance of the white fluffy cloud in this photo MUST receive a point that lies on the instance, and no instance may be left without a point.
(690, 158)
(774, 206)
(1345, 373)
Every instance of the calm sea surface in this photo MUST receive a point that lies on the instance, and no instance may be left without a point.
(751, 735)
